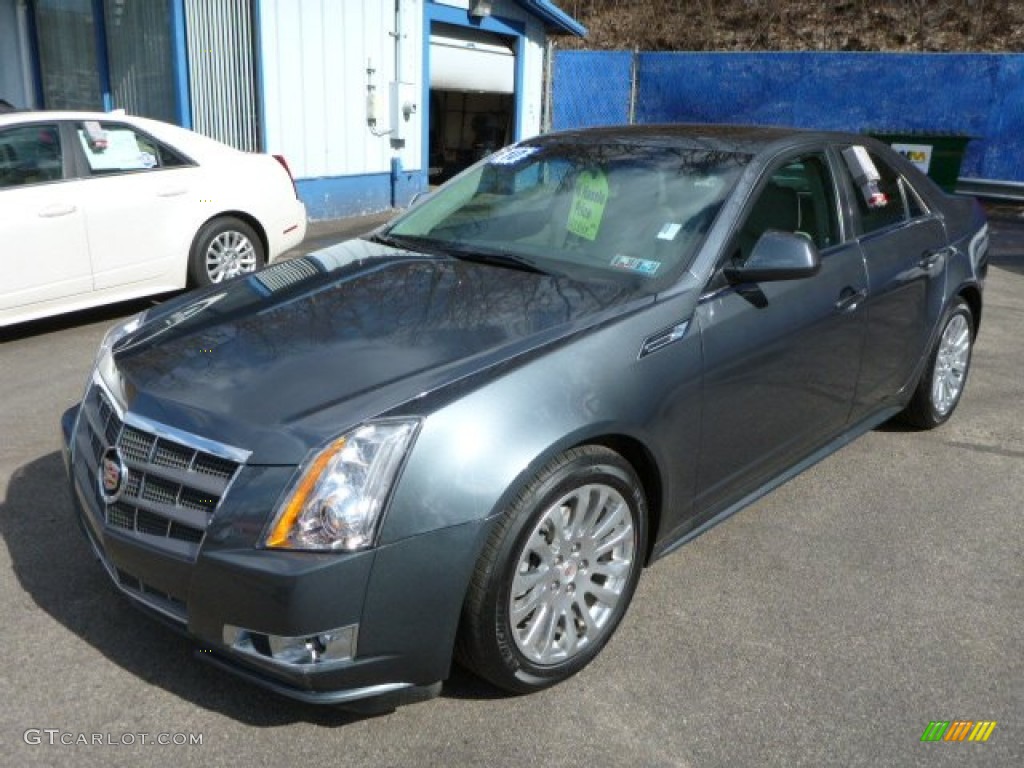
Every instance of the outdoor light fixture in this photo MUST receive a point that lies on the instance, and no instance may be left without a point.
(480, 8)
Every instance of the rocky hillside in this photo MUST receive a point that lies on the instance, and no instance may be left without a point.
(799, 25)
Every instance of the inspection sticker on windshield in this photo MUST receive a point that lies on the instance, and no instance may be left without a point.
(512, 155)
(669, 231)
(640, 266)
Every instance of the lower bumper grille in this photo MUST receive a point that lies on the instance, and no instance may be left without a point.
(161, 601)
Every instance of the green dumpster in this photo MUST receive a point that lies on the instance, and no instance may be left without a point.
(939, 155)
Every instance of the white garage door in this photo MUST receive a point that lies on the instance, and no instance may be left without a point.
(470, 60)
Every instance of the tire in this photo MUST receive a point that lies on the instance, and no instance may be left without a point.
(943, 381)
(557, 572)
(224, 248)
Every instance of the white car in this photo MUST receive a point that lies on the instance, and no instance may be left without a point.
(103, 207)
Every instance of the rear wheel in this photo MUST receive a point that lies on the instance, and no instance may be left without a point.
(224, 248)
(943, 381)
(557, 573)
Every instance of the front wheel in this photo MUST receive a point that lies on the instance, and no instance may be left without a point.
(224, 248)
(558, 572)
(943, 381)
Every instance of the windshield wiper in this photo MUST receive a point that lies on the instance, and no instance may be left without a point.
(459, 250)
(498, 258)
(409, 242)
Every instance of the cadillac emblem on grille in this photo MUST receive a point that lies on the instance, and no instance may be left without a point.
(112, 474)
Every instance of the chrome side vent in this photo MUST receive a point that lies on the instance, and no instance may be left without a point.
(662, 339)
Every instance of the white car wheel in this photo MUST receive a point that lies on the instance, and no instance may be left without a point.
(225, 248)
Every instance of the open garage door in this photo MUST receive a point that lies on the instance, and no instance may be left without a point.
(472, 97)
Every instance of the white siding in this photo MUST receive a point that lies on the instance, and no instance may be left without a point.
(222, 80)
(314, 56)
(533, 79)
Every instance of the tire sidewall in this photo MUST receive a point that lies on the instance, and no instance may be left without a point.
(583, 469)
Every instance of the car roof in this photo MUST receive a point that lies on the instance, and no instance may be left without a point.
(200, 147)
(748, 139)
(31, 115)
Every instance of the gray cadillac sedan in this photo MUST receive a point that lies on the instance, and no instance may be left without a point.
(464, 436)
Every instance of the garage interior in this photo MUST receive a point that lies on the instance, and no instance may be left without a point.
(472, 97)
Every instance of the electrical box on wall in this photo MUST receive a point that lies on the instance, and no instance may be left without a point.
(403, 107)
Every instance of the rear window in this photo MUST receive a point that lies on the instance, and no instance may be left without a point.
(118, 148)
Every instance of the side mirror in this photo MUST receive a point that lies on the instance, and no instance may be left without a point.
(777, 256)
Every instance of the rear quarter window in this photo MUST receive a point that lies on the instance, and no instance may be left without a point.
(898, 201)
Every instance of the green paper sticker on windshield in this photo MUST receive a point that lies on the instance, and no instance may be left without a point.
(589, 199)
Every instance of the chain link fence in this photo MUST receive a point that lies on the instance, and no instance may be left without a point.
(592, 88)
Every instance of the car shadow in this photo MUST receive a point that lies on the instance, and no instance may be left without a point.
(897, 425)
(463, 684)
(109, 313)
(56, 568)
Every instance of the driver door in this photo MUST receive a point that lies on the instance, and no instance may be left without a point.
(781, 358)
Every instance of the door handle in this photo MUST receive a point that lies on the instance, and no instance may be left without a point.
(172, 192)
(850, 299)
(930, 259)
(53, 211)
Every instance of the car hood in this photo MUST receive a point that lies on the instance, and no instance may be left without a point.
(281, 361)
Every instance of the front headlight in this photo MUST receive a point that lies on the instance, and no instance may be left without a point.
(338, 499)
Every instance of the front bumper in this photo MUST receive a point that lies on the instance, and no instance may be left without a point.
(403, 599)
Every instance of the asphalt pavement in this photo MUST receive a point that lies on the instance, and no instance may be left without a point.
(827, 624)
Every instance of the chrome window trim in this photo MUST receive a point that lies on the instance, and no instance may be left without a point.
(910, 191)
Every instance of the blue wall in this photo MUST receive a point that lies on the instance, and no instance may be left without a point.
(340, 196)
(979, 95)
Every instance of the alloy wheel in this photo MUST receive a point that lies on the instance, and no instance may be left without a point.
(951, 362)
(571, 574)
(229, 254)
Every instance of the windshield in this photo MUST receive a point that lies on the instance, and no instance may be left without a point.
(638, 212)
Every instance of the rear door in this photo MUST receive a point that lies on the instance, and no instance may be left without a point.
(142, 207)
(44, 256)
(781, 357)
(904, 246)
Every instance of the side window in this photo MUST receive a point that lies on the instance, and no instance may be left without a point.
(113, 148)
(30, 154)
(891, 200)
(798, 198)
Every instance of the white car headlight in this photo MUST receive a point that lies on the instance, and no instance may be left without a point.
(337, 501)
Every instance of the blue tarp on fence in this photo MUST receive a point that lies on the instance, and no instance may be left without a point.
(977, 95)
